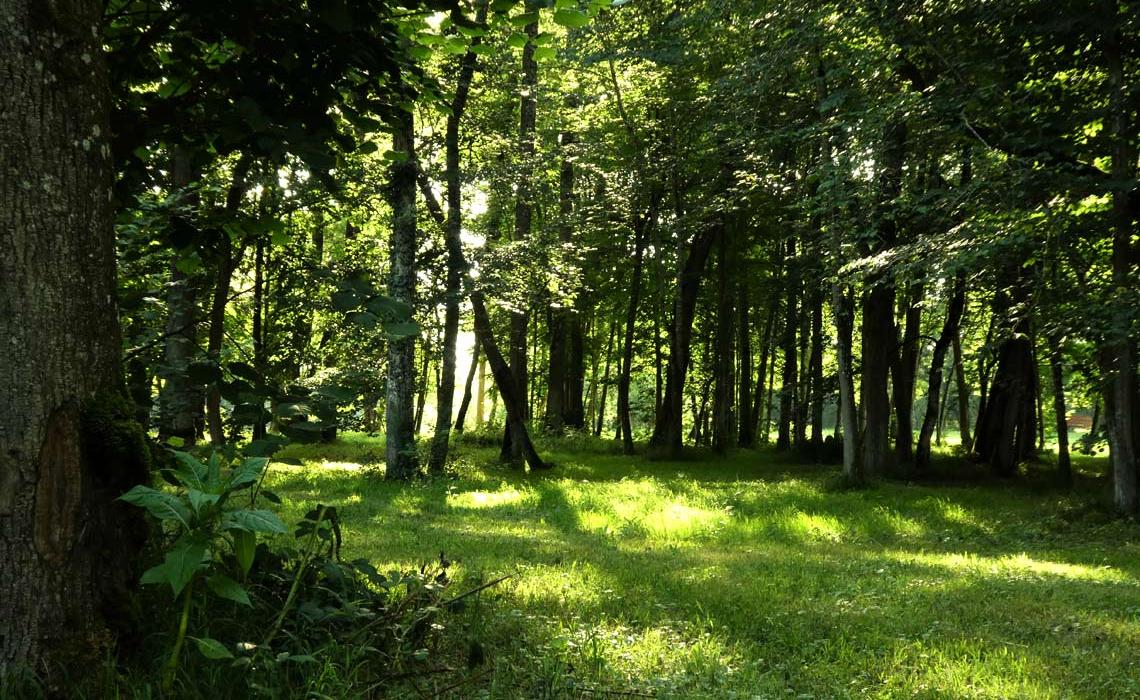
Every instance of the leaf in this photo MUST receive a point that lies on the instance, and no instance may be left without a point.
(153, 575)
(183, 561)
(516, 41)
(403, 329)
(524, 19)
(163, 506)
(200, 499)
(545, 53)
(192, 473)
(212, 648)
(249, 472)
(245, 547)
(253, 521)
(571, 18)
(266, 446)
(225, 587)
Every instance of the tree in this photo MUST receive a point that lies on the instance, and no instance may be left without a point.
(69, 442)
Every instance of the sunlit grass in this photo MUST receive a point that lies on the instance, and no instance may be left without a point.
(750, 577)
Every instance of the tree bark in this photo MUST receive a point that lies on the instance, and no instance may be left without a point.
(667, 430)
(937, 365)
(452, 231)
(724, 362)
(229, 257)
(1060, 414)
(903, 373)
(401, 460)
(640, 228)
(476, 362)
(1119, 348)
(746, 435)
(605, 382)
(69, 445)
(963, 393)
(790, 364)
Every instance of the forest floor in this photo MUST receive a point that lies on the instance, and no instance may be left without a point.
(749, 576)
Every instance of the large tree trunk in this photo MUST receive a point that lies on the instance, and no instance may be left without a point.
(667, 430)
(1118, 349)
(879, 334)
(564, 370)
(69, 445)
(937, 364)
(400, 451)
(1007, 422)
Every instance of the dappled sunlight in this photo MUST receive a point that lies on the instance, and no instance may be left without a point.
(1013, 567)
(489, 499)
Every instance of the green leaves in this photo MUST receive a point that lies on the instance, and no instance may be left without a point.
(245, 547)
(212, 648)
(249, 472)
(253, 521)
(179, 566)
(573, 19)
(225, 587)
(163, 506)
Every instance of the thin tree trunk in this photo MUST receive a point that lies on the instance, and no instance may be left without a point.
(476, 363)
(258, 326)
(746, 436)
(640, 226)
(605, 382)
(937, 363)
(790, 365)
(903, 373)
(963, 394)
(401, 460)
(724, 362)
(228, 261)
(1057, 372)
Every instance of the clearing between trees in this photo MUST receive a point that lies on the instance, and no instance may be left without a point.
(750, 576)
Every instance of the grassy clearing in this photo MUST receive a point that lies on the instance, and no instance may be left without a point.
(749, 577)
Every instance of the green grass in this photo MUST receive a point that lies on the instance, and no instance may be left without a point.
(749, 577)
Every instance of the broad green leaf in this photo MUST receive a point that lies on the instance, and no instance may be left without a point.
(516, 41)
(545, 53)
(571, 18)
(253, 521)
(163, 506)
(524, 19)
(249, 472)
(245, 547)
(183, 561)
(200, 499)
(225, 587)
(192, 473)
(212, 648)
(404, 329)
(153, 575)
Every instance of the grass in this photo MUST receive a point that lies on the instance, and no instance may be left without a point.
(748, 577)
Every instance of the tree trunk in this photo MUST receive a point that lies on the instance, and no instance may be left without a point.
(723, 374)
(667, 429)
(903, 372)
(401, 459)
(815, 368)
(760, 404)
(228, 260)
(520, 318)
(790, 365)
(1057, 372)
(937, 363)
(476, 363)
(605, 382)
(70, 445)
(963, 394)
(746, 437)
(445, 393)
(1118, 349)
(640, 226)
(258, 325)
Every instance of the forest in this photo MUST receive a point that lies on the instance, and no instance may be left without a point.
(570, 349)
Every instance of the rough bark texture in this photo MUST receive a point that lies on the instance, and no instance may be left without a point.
(400, 459)
(68, 442)
(879, 334)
